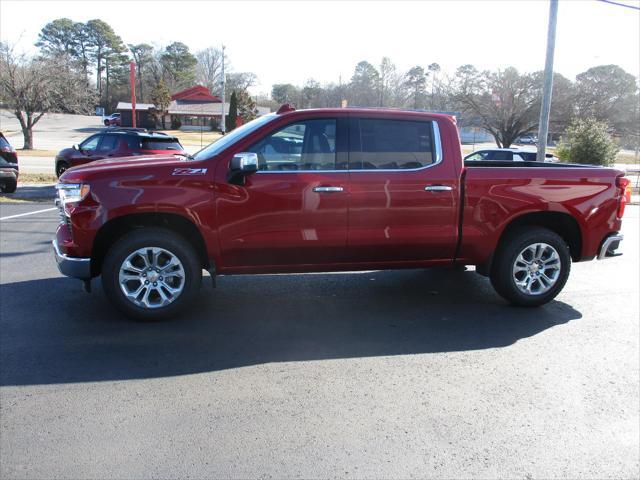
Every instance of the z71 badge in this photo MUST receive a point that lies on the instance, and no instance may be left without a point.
(189, 171)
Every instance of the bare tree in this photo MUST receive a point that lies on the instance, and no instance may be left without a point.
(504, 103)
(240, 81)
(434, 69)
(209, 68)
(33, 87)
(387, 72)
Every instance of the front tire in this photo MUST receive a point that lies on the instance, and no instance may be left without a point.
(61, 167)
(151, 274)
(531, 266)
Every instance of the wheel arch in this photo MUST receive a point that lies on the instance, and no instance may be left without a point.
(117, 227)
(561, 223)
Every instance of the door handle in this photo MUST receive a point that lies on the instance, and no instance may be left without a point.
(438, 188)
(327, 189)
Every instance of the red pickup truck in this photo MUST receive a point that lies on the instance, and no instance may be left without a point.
(327, 190)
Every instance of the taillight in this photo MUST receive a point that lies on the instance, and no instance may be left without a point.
(625, 194)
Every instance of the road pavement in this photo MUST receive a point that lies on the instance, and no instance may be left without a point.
(403, 374)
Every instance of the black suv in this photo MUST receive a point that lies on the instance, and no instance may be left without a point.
(8, 166)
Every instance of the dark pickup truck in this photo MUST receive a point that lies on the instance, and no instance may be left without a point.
(328, 190)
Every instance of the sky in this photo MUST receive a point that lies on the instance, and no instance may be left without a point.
(292, 41)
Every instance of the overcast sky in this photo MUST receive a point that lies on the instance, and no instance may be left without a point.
(291, 41)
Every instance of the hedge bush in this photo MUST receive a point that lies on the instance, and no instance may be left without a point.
(587, 141)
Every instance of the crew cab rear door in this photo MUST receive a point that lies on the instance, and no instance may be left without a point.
(403, 192)
(293, 210)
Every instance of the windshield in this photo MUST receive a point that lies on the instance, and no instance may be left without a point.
(230, 138)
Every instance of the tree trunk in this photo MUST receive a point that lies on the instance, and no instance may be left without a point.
(106, 102)
(139, 93)
(27, 133)
(99, 77)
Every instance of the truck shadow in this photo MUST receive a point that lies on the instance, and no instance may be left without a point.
(54, 333)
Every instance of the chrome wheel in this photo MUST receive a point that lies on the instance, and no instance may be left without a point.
(536, 269)
(152, 277)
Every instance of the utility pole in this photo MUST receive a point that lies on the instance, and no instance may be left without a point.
(545, 108)
(223, 127)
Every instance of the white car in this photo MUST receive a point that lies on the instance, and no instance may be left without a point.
(508, 155)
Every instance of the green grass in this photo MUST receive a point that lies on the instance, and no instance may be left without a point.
(628, 158)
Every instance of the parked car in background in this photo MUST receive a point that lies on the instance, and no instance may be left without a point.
(8, 166)
(527, 140)
(327, 190)
(508, 155)
(122, 142)
(112, 120)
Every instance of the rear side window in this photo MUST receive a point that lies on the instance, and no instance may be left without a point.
(499, 155)
(528, 156)
(4, 143)
(160, 144)
(108, 143)
(133, 143)
(382, 144)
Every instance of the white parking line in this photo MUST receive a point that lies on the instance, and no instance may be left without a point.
(29, 213)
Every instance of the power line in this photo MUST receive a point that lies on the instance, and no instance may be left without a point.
(619, 4)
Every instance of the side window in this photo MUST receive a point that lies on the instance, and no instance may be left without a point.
(382, 144)
(90, 143)
(306, 145)
(501, 155)
(108, 143)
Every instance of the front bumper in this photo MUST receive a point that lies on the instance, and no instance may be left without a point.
(72, 266)
(609, 246)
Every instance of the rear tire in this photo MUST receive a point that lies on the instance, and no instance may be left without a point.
(61, 167)
(531, 266)
(9, 186)
(144, 256)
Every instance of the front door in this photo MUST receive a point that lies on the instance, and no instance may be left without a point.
(403, 197)
(293, 210)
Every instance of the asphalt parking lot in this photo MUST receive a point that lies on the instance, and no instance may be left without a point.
(404, 374)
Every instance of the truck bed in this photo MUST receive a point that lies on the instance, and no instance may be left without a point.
(495, 192)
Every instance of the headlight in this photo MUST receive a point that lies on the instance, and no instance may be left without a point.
(71, 192)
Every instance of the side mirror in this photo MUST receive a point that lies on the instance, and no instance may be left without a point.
(242, 164)
(76, 146)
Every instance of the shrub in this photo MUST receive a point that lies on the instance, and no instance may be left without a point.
(587, 141)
